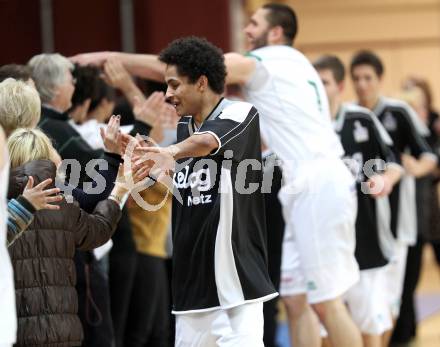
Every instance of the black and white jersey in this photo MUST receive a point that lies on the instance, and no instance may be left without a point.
(365, 140)
(406, 131)
(219, 232)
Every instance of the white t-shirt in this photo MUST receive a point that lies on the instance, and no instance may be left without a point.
(90, 132)
(8, 320)
(293, 106)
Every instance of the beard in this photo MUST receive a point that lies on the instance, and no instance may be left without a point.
(260, 41)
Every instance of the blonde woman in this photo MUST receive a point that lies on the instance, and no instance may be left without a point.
(20, 105)
(42, 257)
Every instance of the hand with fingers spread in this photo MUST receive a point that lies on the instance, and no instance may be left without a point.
(111, 136)
(40, 198)
(149, 111)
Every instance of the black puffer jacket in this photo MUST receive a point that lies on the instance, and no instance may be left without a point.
(42, 258)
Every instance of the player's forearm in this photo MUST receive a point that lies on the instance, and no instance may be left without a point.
(194, 146)
(143, 65)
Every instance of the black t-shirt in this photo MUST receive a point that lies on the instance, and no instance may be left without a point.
(406, 131)
(364, 139)
(219, 233)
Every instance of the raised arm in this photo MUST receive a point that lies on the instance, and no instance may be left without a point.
(239, 68)
(143, 65)
(118, 77)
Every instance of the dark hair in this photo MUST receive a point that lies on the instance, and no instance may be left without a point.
(90, 85)
(285, 17)
(103, 91)
(367, 58)
(16, 71)
(195, 57)
(332, 63)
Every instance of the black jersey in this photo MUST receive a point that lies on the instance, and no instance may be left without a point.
(406, 131)
(365, 139)
(219, 232)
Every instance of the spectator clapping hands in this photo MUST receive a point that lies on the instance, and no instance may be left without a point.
(113, 140)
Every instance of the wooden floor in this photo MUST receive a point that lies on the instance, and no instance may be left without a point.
(429, 329)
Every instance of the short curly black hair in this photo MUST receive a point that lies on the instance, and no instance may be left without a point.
(195, 57)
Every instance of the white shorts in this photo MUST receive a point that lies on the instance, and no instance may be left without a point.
(368, 302)
(395, 277)
(319, 241)
(239, 326)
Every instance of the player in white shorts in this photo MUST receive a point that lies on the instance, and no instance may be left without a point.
(365, 140)
(406, 131)
(318, 197)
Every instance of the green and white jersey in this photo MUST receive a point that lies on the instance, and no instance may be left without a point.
(294, 111)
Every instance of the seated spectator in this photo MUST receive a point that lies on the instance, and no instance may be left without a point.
(47, 305)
